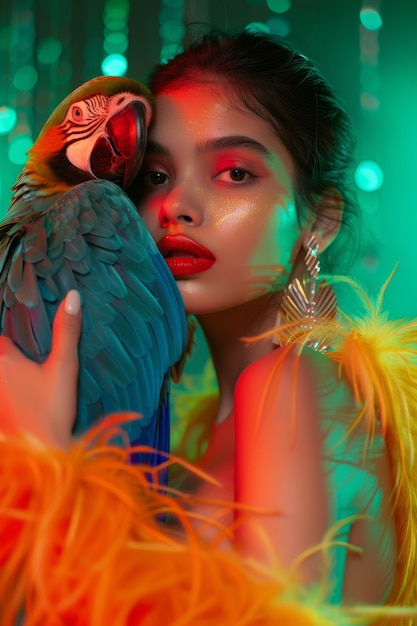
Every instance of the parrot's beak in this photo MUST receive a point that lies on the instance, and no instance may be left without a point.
(118, 154)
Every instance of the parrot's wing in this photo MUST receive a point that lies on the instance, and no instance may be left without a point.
(134, 327)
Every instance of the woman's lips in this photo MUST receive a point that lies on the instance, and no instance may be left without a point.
(184, 256)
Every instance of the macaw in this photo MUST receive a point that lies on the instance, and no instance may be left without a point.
(71, 225)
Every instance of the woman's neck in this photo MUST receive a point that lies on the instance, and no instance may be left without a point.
(224, 331)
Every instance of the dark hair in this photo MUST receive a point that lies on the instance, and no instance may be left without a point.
(282, 86)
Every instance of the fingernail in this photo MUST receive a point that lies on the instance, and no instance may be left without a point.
(72, 302)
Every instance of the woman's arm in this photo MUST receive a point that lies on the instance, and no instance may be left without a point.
(278, 459)
(42, 398)
(296, 453)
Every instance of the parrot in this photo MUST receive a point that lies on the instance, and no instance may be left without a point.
(72, 225)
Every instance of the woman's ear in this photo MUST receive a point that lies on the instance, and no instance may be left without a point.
(328, 220)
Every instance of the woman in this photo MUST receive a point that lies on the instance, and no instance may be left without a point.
(243, 187)
(246, 161)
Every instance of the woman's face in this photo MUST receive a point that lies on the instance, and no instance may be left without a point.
(218, 199)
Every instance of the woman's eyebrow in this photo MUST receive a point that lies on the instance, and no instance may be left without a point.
(153, 147)
(232, 141)
(212, 145)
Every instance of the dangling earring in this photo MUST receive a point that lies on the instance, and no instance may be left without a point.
(306, 304)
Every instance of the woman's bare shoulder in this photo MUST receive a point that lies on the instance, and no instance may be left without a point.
(292, 370)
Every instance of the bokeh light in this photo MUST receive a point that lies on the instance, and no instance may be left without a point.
(369, 176)
(279, 6)
(114, 65)
(171, 31)
(7, 119)
(115, 43)
(25, 78)
(369, 101)
(18, 147)
(370, 18)
(279, 26)
(49, 50)
(116, 15)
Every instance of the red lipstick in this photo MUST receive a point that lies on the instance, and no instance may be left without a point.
(184, 256)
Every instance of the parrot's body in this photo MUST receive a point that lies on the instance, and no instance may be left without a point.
(71, 226)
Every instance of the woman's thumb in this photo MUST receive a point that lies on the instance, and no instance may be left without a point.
(67, 327)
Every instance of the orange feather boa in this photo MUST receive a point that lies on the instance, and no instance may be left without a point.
(82, 544)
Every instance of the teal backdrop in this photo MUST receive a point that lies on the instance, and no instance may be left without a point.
(367, 49)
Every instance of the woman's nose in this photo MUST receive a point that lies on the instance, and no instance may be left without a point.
(181, 206)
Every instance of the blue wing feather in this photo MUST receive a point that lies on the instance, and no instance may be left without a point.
(134, 326)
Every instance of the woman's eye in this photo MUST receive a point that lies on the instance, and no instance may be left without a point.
(152, 179)
(238, 175)
(234, 175)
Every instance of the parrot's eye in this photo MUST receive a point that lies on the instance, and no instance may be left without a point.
(77, 114)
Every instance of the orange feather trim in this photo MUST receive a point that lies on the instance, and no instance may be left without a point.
(82, 544)
(378, 357)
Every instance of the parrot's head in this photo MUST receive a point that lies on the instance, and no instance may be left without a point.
(98, 131)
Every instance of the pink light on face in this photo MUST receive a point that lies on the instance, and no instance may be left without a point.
(217, 175)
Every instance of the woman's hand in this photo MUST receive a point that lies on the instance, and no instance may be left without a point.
(42, 398)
